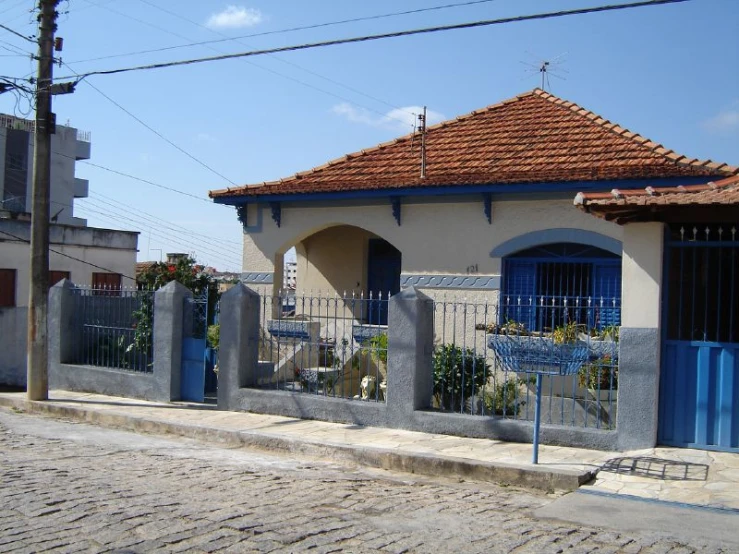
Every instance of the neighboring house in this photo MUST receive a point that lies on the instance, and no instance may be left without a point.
(481, 206)
(681, 305)
(89, 256)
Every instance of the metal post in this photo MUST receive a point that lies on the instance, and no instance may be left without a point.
(38, 303)
(537, 420)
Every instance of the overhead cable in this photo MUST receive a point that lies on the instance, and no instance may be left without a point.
(366, 38)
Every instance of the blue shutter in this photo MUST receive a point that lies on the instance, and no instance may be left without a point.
(518, 302)
(607, 294)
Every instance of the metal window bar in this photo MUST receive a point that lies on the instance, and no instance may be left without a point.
(702, 272)
(116, 327)
(471, 377)
(323, 345)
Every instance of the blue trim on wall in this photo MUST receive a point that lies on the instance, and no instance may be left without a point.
(488, 282)
(258, 278)
(446, 190)
(549, 236)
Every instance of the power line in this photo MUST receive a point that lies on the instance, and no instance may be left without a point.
(160, 135)
(263, 68)
(226, 256)
(280, 31)
(223, 249)
(367, 38)
(140, 179)
(379, 100)
(21, 239)
(16, 33)
(123, 204)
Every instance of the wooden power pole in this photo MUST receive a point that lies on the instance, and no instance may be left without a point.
(38, 304)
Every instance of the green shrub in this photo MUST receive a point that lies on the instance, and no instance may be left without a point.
(596, 375)
(214, 335)
(458, 375)
(378, 347)
(503, 398)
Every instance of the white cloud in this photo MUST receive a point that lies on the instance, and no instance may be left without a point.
(205, 137)
(402, 119)
(725, 120)
(235, 17)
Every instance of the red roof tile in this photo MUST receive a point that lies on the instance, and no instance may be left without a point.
(622, 205)
(533, 137)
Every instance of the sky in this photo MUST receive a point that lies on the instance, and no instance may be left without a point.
(668, 72)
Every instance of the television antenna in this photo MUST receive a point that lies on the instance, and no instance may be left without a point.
(546, 67)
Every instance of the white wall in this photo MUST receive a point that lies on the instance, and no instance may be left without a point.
(16, 255)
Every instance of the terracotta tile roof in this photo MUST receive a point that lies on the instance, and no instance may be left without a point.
(624, 205)
(141, 267)
(533, 137)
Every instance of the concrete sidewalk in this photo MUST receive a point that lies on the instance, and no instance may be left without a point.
(695, 477)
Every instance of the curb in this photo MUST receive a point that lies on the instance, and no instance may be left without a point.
(532, 477)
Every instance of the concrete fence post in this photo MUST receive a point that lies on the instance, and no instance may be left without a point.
(238, 349)
(63, 336)
(410, 350)
(168, 325)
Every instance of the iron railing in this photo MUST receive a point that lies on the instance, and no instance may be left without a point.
(324, 345)
(486, 359)
(116, 328)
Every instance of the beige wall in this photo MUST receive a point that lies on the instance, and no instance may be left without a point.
(15, 255)
(334, 259)
(642, 275)
(435, 237)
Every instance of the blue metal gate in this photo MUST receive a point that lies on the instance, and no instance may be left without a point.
(192, 378)
(699, 385)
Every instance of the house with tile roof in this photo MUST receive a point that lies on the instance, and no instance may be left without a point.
(481, 206)
(496, 181)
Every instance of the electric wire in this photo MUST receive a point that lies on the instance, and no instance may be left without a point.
(145, 221)
(98, 194)
(262, 67)
(21, 239)
(16, 33)
(279, 31)
(161, 234)
(367, 38)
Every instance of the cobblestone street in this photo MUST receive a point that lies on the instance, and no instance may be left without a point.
(68, 487)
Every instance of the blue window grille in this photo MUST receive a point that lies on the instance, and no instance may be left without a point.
(536, 280)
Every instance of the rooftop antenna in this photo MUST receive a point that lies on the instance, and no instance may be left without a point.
(422, 129)
(546, 68)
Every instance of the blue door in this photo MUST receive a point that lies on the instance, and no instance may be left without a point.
(699, 383)
(383, 279)
(192, 376)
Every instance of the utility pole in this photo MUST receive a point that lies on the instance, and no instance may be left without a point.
(38, 303)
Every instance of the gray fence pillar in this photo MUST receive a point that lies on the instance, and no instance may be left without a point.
(638, 388)
(63, 336)
(410, 350)
(168, 320)
(238, 349)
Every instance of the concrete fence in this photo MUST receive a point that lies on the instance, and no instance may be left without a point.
(408, 398)
(161, 383)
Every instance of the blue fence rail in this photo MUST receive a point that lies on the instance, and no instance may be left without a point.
(486, 359)
(116, 327)
(324, 345)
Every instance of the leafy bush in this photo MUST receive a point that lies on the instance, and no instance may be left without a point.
(503, 398)
(596, 375)
(378, 347)
(458, 375)
(214, 335)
